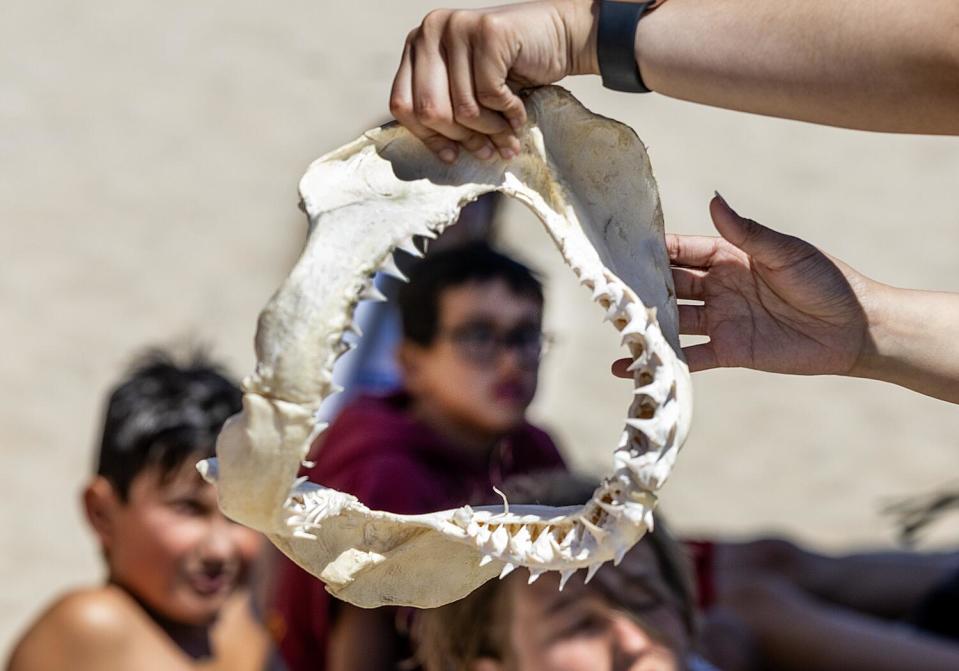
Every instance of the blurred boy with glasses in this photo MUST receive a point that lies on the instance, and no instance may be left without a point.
(470, 353)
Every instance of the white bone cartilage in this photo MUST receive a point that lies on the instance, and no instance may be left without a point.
(589, 181)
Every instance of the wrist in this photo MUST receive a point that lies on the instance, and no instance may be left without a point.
(882, 305)
(580, 18)
(911, 341)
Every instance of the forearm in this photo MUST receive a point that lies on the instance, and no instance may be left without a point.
(914, 341)
(870, 64)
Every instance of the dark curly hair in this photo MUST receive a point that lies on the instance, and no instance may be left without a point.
(162, 413)
(473, 262)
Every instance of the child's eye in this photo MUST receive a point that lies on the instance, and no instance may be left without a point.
(188, 507)
(586, 625)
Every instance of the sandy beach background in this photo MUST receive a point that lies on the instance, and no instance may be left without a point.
(149, 156)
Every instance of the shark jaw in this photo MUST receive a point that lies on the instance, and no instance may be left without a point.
(589, 181)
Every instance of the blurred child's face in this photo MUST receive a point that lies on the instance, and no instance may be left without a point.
(579, 629)
(481, 369)
(172, 548)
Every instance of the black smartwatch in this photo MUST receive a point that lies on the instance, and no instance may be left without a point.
(615, 44)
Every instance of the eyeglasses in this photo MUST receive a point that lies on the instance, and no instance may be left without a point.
(482, 343)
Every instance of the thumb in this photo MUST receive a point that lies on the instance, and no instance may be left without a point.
(762, 243)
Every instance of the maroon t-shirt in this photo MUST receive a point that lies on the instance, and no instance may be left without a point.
(378, 452)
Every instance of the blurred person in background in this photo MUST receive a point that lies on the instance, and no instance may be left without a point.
(638, 616)
(801, 609)
(174, 596)
(767, 605)
(469, 356)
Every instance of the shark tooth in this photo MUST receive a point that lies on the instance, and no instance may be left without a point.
(508, 568)
(520, 542)
(565, 576)
(410, 248)
(389, 267)
(371, 293)
(598, 533)
(500, 540)
(620, 553)
(591, 571)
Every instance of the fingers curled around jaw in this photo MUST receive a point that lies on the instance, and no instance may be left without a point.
(620, 368)
(493, 93)
(700, 357)
(690, 283)
(467, 111)
(692, 320)
(402, 107)
(693, 251)
(420, 100)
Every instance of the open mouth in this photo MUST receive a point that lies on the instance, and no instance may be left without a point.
(209, 585)
(589, 181)
(212, 580)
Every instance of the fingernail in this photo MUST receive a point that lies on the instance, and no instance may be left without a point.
(507, 153)
(485, 152)
(515, 122)
(724, 203)
(447, 155)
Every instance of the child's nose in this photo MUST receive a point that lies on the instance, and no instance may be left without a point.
(220, 542)
(630, 641)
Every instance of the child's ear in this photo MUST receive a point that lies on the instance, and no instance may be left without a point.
(100, 503)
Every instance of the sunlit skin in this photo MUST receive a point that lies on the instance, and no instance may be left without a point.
(579, 629)
(495, 399)
(171, 602)
(170, 546)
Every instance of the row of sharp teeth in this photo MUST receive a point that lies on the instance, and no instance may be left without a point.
(626, 496)
(651, 424)
(346, 339)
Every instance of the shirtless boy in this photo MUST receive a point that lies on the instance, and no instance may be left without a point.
(173, 561)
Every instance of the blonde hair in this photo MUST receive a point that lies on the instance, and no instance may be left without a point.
(454, 636)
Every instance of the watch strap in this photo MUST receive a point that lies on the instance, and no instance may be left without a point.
(615, 44)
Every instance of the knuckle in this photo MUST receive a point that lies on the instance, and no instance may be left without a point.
(466, 111)
(400, 107)
(489, 26)
(430, 112)
(488, 96)
(788, 247)
(474, 142)
(457, 23)
(753, 229)
(459, 20)
(436, 144)
(716, 250)
(672, 246)
(504, 138)
(435, 21)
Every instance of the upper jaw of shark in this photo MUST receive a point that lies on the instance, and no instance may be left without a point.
(589, 181)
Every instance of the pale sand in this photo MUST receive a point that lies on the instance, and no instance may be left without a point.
(150, 155)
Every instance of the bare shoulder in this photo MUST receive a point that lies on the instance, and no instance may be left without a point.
(85, 629)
